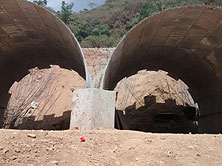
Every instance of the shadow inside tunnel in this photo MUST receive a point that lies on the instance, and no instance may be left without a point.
(168, 117)
(3, 105)
(49, 122)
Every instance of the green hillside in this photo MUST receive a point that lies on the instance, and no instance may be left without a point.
(104, 26)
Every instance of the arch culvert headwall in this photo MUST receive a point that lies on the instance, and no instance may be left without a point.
(187, 43)
(31, 36)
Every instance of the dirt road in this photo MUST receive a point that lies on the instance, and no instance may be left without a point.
(107, 147)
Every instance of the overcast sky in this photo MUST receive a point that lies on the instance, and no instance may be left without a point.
(78, 4)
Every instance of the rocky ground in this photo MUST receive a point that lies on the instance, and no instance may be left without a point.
(107, 147)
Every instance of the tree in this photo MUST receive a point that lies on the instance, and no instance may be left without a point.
(42, 3)
(147, 9)
(100, 30)
(66, 12)
(81, 30)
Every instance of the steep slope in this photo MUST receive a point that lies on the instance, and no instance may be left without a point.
(105, 25)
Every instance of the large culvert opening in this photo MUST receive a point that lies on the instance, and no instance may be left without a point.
(33, 39)
(152, 101)
(186, 43)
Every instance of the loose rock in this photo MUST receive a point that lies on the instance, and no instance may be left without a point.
(31, 135)
(55, 162)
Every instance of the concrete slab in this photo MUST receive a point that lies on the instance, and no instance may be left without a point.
(93, 109)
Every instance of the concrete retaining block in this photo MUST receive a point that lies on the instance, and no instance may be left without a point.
(93, 109)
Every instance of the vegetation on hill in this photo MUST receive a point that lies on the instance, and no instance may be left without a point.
(105, 25)
(41, 2)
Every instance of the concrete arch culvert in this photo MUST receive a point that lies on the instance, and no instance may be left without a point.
(186, 42)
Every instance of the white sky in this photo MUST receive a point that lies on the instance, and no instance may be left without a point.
(78, 4)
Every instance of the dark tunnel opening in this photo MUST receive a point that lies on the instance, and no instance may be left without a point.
(185, 42)
(32, 41)
(152, 101)
(166, 118)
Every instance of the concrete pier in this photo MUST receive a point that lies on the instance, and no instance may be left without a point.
(93, 109)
